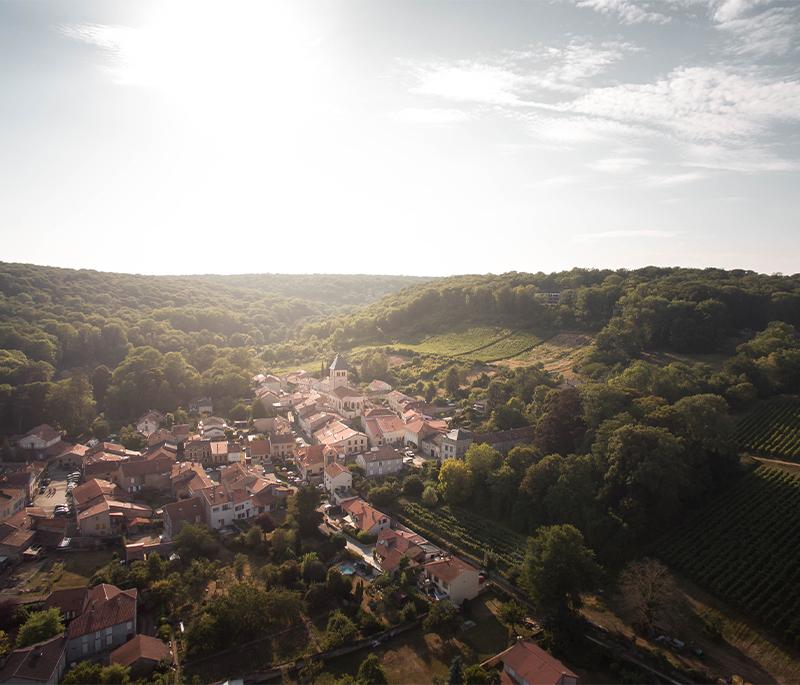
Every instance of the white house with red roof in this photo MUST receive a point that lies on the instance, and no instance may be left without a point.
(39, 438)
(451, 578)
(384, 430)
(525, 663)
(337, 480)
(363, 517)
(341, 437)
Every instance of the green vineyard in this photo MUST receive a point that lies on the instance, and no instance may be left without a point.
(773, 429)
(743, 547)
(466, 532)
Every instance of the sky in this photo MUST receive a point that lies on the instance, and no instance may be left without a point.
(400, 136)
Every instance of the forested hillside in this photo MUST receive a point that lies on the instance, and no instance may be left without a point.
(73, 343)
(77, 343)
(681, 310)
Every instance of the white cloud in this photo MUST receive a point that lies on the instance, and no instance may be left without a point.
(774, 31)
(519, 77)
(751, 159)
(697, 103)
(616, 165)
(556, 182)
(662, 180)
(628, 11)
(725, 10)
(432, 116)
(627, 234)
(471, 82)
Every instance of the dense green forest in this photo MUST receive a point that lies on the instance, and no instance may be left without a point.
(76, 343)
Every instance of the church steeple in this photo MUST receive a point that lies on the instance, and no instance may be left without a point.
(338, 372)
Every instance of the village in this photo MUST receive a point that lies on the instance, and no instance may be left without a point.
(72, 499)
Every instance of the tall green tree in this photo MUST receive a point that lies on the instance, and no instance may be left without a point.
(455, 481)
(39, 626)
(558, 567)
(370, 672)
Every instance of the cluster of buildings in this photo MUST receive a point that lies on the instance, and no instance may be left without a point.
(354, 422)
(101, 624)
(441, 575)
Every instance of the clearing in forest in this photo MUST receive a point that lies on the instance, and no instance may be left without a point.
(557, 354)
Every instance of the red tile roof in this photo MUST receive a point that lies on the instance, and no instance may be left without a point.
(532, 664)
(141, 647)
(449, 569)
(106, 606)
(186, 510)
(35, 664)
(363, 514)
(92, 489)
(43, 431)
(342, 392)
(67, 600)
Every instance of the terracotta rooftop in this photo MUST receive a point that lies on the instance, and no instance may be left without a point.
(35, 664)
(67, 600)
(43, 431)
(531, 665)
(141, 647)
(362, 513)
(106, 606)
(449, 569)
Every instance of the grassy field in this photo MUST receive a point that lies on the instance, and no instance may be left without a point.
(772, 429)
(742, 547)
(469, 343)
(557, 354)
(73, 569)
(419, 657)
(458, 342)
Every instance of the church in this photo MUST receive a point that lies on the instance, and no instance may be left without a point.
(347, 401)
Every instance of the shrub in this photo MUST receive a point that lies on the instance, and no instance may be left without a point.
(429, 497)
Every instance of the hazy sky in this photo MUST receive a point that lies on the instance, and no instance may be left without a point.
(400, 136)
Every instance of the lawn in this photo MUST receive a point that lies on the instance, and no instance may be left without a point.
(419, 657)
(73, 569)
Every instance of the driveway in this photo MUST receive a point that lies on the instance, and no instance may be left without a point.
(327, 527)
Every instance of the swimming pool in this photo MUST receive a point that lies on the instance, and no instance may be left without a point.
(347, 569)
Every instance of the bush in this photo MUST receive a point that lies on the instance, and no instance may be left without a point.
(340, 630)
(441, 619)
(413, 486)
(429, 497)
(40, 625)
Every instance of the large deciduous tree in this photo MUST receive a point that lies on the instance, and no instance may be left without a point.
(558, 567)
